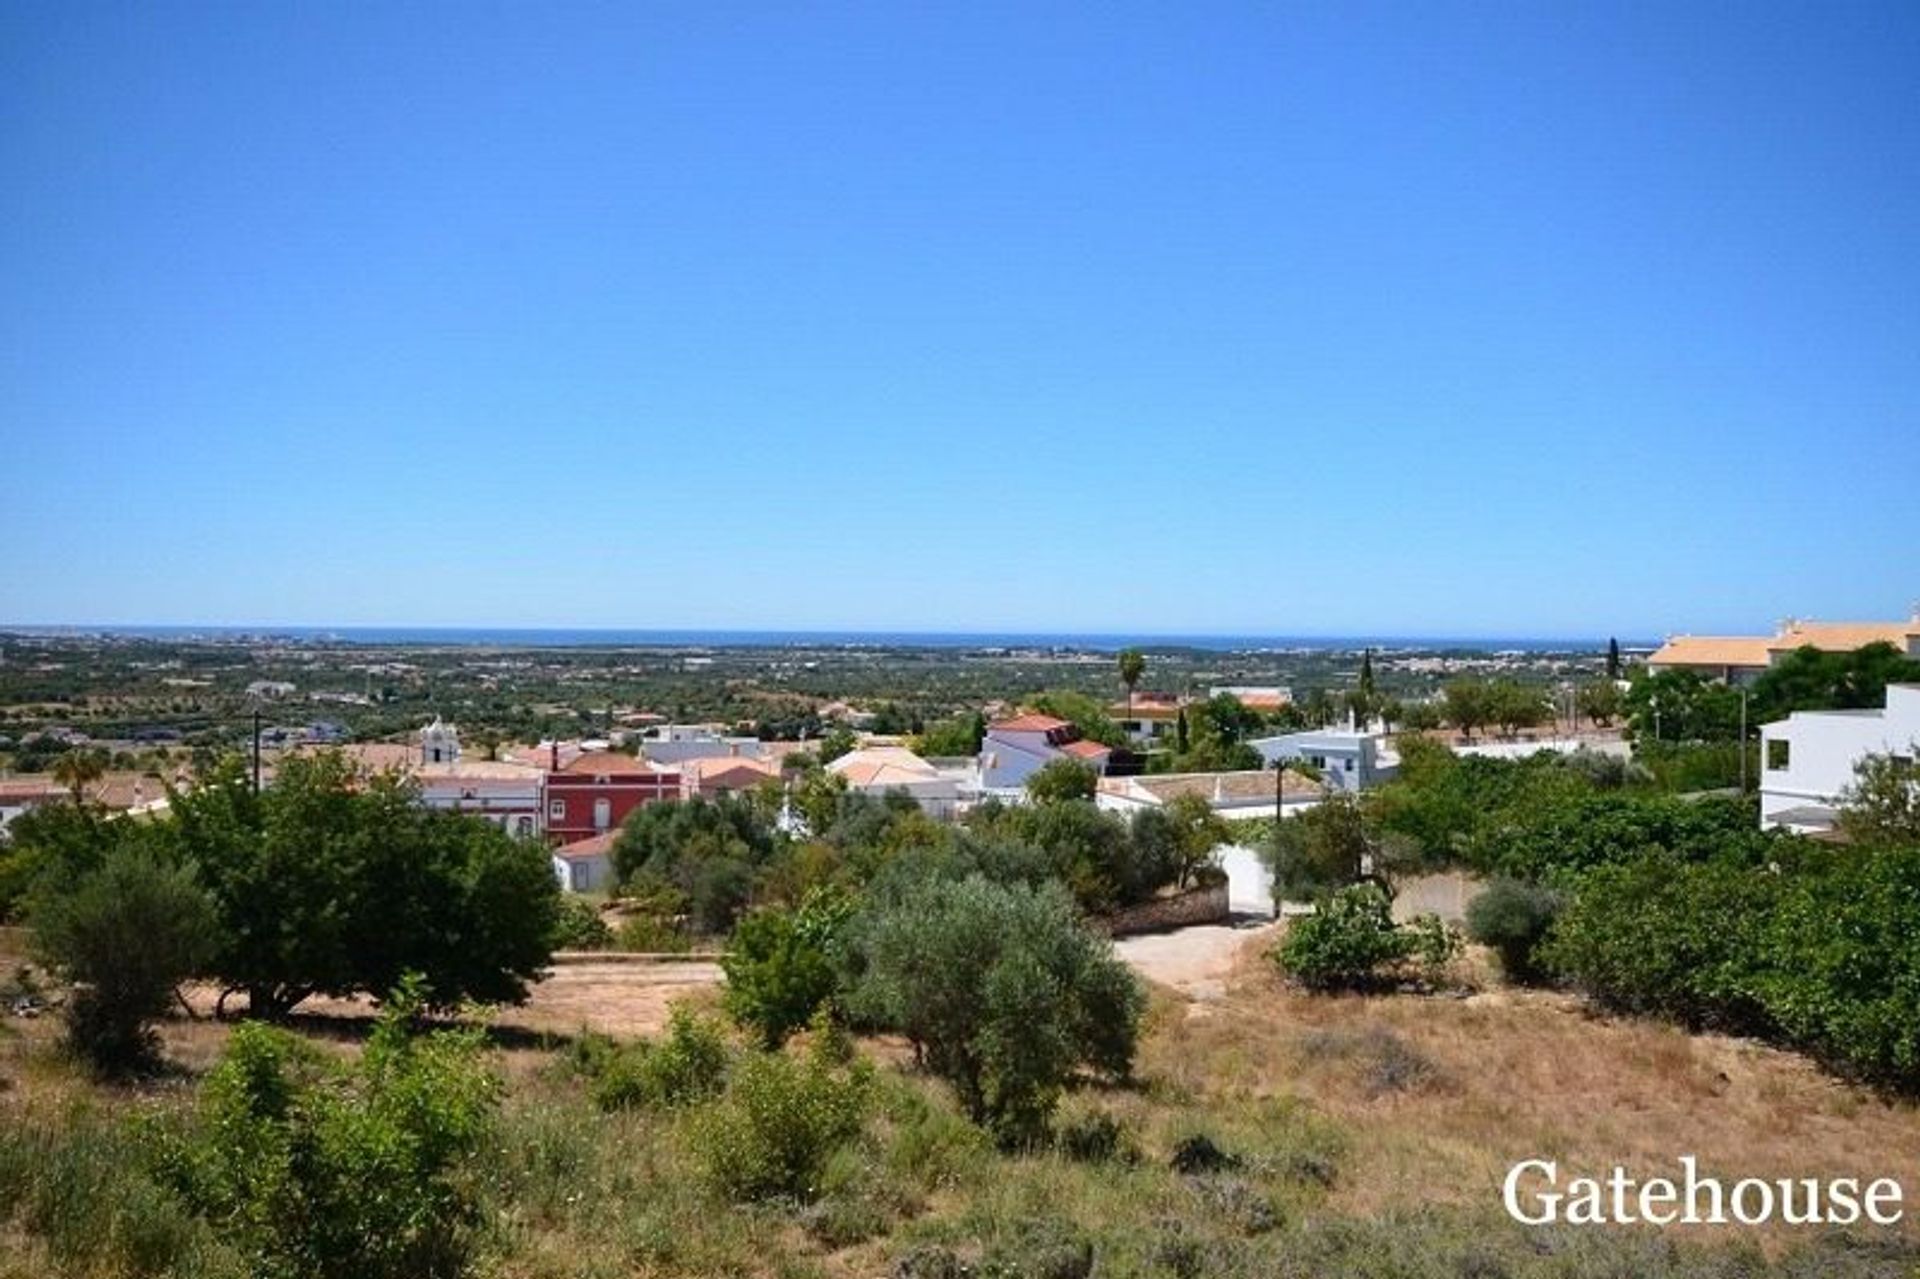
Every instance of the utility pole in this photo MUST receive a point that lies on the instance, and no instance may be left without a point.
(1279, 788)
(256, 752)
(1743, 741)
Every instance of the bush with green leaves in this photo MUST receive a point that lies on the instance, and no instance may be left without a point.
(1816, 951)
(1003, 991)
(1669, 938)
(1842, 963)
(319, 1170)
(578, 926)
(687, 1065)
(1060, 780)
(781, 1119)
(1513, 918)
(125, 934)
(783, 966)
(709, 850)
(1351, 942)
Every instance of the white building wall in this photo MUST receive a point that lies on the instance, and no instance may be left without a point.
(1350, 761)
(1008, 759)
(1823, 747)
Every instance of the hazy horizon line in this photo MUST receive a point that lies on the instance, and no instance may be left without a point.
(802, 632)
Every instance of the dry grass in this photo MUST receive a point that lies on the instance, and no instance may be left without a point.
(1374, 1113)
(1519, 1074)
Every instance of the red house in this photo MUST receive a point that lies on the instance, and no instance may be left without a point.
(595, 792)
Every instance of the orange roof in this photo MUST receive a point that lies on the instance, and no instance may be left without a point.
(1031, 722)
(592, 846)
(1712, 650)
(879, 766)
(727, 773)
(597, 762)
(1087, 750)
(121, 790)
(1842, 637)
(1146, 706)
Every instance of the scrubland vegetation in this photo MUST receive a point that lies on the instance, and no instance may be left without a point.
(927, 1063)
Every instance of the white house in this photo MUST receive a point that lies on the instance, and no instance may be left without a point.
(1148, 719)
(509, 794)
(585, 866)
(1242, 793)
(876, 770)
(678, 743)
(1348, 759)
(1017, 748)
(1807, 759)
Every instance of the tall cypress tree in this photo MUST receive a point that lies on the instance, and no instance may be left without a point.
(1613, 659)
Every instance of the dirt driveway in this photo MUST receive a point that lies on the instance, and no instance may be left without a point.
(1195, 961)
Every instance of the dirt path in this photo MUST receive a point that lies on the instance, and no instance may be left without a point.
(1197, 962)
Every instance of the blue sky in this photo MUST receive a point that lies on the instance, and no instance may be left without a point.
(1480, 319)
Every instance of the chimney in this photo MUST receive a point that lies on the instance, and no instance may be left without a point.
(553, 757)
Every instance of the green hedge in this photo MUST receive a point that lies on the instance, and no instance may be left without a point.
(1820, 951)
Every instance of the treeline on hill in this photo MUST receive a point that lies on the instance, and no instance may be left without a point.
(1649, 902)
(325, 883)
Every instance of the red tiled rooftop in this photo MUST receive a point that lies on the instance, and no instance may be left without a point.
(593, 846)
(1031, 722)
(608, 762)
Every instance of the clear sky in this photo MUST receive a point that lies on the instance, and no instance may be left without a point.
(1475, 319)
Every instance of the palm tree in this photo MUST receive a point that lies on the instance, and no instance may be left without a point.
(78, 769)
(1133, 664)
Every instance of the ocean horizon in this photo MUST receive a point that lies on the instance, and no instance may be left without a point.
(693, 637)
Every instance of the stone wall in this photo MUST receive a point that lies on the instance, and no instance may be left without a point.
(1197, 906)
(1447, 895)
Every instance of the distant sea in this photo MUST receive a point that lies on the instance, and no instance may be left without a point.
(510, 637)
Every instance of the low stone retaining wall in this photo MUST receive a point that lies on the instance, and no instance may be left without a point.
(636, 956)
(1447, 895)
(1197, 906)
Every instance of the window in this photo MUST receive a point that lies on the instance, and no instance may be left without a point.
(602, 813)
(557, 811)
(1777, 754)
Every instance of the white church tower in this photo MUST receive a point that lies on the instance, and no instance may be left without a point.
(439, 743)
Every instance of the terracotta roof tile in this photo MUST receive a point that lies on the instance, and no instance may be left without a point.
(1712, 650)
(1031, 722)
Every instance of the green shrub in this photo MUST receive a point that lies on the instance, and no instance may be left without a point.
(1003, 991)
(1842, 963)
(782, 966)
(780, 1120)
(1095, 1136)
(126, 935)
(578, 926)
(1513, 918)
(315, 1169)
(687, 1066)
(1351, 943)
(1669, 938)
(645, 934)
